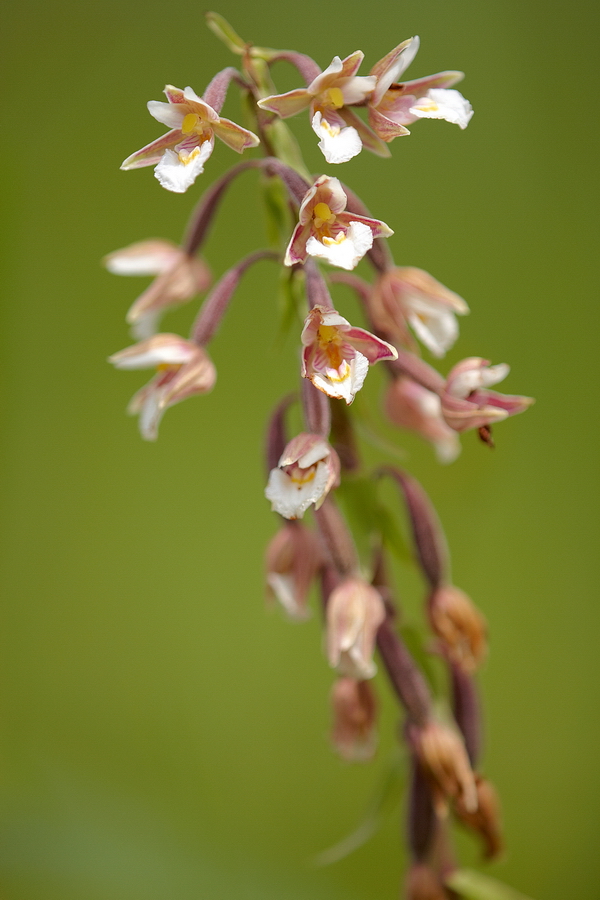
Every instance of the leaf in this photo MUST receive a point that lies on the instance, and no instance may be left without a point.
(473, 885)
(223, 30)
(291, 300)
(385, 800)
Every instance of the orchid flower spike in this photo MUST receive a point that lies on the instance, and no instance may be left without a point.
(183, 369)
(180, 154)
(179, 278)
(467, 402)
(329, 97)
(326, 231)
(308, 469)
(337, 356)
(410, 295)
(409, 405)
(393, 106)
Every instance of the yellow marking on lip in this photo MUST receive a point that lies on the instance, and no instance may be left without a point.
(328, 241)
(187, 158)
(427, 105)
(301, 477)
(343, 371)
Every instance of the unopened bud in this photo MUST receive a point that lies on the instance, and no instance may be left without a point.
(459, 625)
(445, 764)
(485, 820)
(423, 884)
(354, 613)
(354, 708)
(293, 559)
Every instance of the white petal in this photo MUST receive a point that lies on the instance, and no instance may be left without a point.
(150, 415)
(146, 326)
(448, 447)
(153, 261)
(435, 327)
(174, 354)
(444, 103)
(177, 171)
(358, 88)
(474, 379)
(345, 252)
(283, 587)
(320, 450)
(291, 500)
(337, 144)
(167, 114)
(352, 665)
(346, 388)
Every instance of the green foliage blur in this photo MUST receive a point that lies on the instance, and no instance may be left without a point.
(163, 735)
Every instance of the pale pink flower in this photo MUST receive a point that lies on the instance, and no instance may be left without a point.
(329, 97)
(293, 558)
(407, 294)
(308, 469)
(337, 356)
(355, 611)
(183, 369)
(353, 733)
(179, 278)
(180, 154)
(326, 231)
(467, 402)
(393, 106)
(409, 405)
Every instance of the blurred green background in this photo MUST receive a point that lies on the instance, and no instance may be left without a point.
(162, 736)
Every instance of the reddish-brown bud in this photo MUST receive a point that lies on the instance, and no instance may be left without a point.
(485, 820)
(459, 625)
(443, 758)
(293, 559)
(354, 709)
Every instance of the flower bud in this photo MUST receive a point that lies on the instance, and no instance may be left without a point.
(423, 884)
(445, 764)
(459, 625)
(485, 820)
(293, 559)
(354, 613)
(354, 712)
(308, 469)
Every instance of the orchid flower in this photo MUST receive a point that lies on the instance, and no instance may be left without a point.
(392, 106)
(326, 231)
(410, 405)
(329, 97)
(407, 294)
(179, 278)
(355, 611)
(308, 469)
(180, 154)
(337, 356)
(293, 559)
(183, 369)
(467, 402)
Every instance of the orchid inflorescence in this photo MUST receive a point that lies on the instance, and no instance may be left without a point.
(403, 306)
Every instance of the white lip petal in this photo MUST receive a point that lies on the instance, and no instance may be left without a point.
(347, 251)
(177, 171)
(319, 451)
(447, 448)
(444, 103)
(283, 587)
(150, 415)
(338, 145)
(436, 328)
(139, 264)
(147, 325)
(474, 379)
(173, 354)
(291, 500)
(346, 388)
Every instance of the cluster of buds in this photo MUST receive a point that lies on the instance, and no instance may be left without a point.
(404, 307)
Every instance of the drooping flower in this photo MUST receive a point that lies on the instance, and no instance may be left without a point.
(183, 369)
(407, 294)
(180, 154)
(355, 611)
(410, 405)
(337, 356)
(308, 469)
(329, 97)
(326, 231)
(459, 626)
(293, 558)
(179, 278)
(353, 732)
(443, 758)
(393, 106)
(467, 402)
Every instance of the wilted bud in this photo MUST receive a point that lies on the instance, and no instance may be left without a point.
(308, 469)
(293, 559)
(407, 295)
(423, 884)
(179, 278)
(459, 625)
(354, 711)
(466, 402)
(485, 820)
(354, 613)
(409, 405)
(445, 763)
